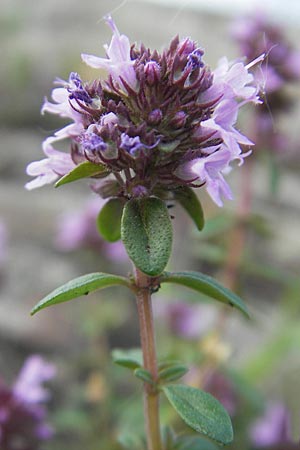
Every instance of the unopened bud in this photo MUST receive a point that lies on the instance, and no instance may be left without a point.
(155, 117)
(139, 191)
(185, 47)
(152, 72)
(179, 119)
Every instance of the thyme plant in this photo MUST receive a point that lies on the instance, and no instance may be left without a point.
(159, 126)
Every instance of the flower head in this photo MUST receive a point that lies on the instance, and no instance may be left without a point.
(22, 412)
(158, 121)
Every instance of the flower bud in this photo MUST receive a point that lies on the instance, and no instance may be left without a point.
(152, 72)
(139, 191)
(155, 117)
(179, 119)
(185, 47)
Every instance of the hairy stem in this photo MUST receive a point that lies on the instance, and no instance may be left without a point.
(151, 395)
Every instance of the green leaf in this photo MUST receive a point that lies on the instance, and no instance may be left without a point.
(132, 358)
(190, 202)
(147, 234)
(109, 220)
(201, 411)
(166, 363)
(194, 443)
(131, 442)
(80, 286)
(172, 373)
(83, 170)
(206, 285)
(144, 375)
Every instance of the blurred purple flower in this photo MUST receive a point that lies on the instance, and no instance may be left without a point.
(221, 387)
(272, 428)
(256, 35)
(188, 321)
(22, 412)
(29, 384)
(78, 230)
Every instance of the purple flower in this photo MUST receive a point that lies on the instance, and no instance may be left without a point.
(50, 169)
(29, 384)
(22, 412)
(188, 321)
(130, 144)
(159, 121)
(194, 60)
(210, 170)
(76, 89)
(272, 428)
(91, 141)
(118, 63)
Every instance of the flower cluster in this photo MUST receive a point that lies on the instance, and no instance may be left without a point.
(255, 35)
(22, 413)
(158, 122)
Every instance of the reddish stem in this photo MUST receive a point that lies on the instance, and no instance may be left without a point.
(151, 395)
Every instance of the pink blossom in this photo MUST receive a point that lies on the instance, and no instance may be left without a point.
(49, 169)
(210, 170)
(63, 108)
(118, 62)
(236, 80)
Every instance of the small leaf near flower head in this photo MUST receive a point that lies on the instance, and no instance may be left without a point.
(201, 411)
(190, 202)
(172, 373)
(83, 170)
(109, 220)
(144, 375)
(80, 286)
(207, 286)
(132, 358)
(146, 231)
